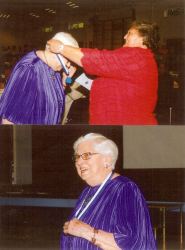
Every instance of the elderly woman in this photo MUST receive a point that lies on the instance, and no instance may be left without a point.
(125, 90)
(111, 212)
(34, 93)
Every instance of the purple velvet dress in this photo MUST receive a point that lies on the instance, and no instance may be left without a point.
(33, 94)
(119, 209)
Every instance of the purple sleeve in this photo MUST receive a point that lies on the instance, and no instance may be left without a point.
(18, 96)
(133, 230)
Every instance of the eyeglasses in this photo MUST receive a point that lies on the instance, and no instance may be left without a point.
(85, 156)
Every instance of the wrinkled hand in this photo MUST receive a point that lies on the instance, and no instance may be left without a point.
(77, 228)
(54, 45)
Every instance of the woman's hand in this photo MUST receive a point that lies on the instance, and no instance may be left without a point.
(103, 240)
(72, 53)
(78, 228)
(54, 46)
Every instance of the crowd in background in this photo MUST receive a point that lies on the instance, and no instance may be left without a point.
(9, 55)
(170, 105)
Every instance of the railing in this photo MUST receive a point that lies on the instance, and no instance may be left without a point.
(163, 207)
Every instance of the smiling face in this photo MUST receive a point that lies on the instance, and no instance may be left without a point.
(133, 39)
(95, 169)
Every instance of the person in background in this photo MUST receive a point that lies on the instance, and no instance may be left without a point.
(164, 102)
(34, 93)
(111, 212)
(125, 90)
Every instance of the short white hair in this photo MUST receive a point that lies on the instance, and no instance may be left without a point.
(101, 144)
(66, 39)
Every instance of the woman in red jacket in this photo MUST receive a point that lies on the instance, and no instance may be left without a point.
(125, 90)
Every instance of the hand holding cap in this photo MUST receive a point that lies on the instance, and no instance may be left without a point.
(55, 46)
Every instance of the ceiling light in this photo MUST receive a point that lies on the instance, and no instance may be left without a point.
(34, 15)
(50, 11)
(4, 15)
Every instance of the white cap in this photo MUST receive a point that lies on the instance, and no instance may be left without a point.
(66, 39)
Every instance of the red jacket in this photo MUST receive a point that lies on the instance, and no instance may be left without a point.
(125, 90)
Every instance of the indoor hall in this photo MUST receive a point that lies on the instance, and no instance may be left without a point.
(39, 185)
(26, 25)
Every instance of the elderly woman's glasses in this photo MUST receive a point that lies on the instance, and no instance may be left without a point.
(85, 156)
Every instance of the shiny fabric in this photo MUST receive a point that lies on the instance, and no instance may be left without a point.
(120, 209)
(125, 90)
(33, 94)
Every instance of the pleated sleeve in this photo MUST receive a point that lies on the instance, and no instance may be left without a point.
(18, 99)
(133, 227)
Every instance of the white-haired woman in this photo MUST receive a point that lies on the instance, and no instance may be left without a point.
(111, 212)
(34, 93)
